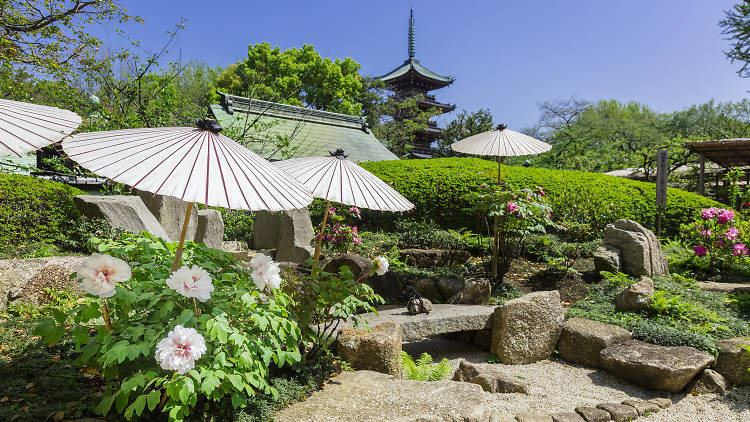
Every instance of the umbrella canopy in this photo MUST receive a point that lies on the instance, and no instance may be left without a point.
(501, 142)
(192, 164)
(25, 127)
(337, 179)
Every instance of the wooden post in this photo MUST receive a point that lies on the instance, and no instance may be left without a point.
(662, 170)
(319, 245)
(178, 254)
(702, 176)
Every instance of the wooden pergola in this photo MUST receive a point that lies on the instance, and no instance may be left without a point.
(725, 152)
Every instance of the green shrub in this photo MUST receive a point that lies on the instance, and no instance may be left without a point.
(238, 224)
(423, 369)
(36, 210)
(438, 188)
(545, 248)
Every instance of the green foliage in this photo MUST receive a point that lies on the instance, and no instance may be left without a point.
(423, 369)
(548, 247)
(36, 210)
(245, 333)
(296, 76)
(464, 125)
(238, 224)
(399, 120)
(736, 24)
(59, 301)
(438, 188)
(682, 313)
(428, 235)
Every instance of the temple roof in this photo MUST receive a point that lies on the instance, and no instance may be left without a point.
(726, 152)
(313, 133)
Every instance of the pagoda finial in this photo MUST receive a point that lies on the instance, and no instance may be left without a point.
(411, 34)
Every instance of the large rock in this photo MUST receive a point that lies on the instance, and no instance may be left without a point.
(619, 412)
(377, 350)
(638, 297)
(387, 285)
(170, 212)
(127, 212)
(443, 319)
(592, 414)
(709, 382)
(429, 258)
(25, 279)
(358, 265)
(239, 249)
(476, 291)
(491, 380)
(210, 230)
(734, 360)
(266, 229)
(448, 287)
(582, 340)
(295, 236)
(662, 368)
(635, 247)
(426, 287)
(366, 396)
(526, 329)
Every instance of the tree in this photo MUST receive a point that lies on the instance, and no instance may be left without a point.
(736, 24)
(295, 76)
(399, 120)
(52, 36)
(464, 125)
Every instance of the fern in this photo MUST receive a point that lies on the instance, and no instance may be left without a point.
(423, 369)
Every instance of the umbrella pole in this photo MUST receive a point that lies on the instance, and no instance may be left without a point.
(496, 226)
(319, 245)
(178, 254)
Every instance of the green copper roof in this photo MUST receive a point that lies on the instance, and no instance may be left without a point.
(313, 133)
(413, 64)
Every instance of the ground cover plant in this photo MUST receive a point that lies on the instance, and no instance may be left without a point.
(682, 314)
(423, 368)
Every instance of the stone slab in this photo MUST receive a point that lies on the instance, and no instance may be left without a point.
(127, 212)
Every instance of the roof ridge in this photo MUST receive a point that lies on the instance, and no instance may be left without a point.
(230, 100)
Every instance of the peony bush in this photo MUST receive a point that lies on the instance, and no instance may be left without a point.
(339, 235)
(718, 237)
(168, 342)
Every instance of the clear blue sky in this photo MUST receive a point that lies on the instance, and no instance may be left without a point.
(506, 56)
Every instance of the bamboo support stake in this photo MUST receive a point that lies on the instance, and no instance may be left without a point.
(496, 225)
(319, 245)
(105, 315)
(178, 254)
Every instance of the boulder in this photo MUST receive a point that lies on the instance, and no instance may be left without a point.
(734, 360)
(567, 417)
(448, 287)
(295, 236)
(476, 291)
(638, 297)
(127, 212)
(709, 382)
(592, 414)
(387, 285)
(526, 329)
(170, 212)
(533, 417)
(358, 265)
(582, 340)
(491, 380)
(426, 287)
(643, 407)
(637, 247)
(376, 350)
(266, 229)
(25, 279)
(238, 249)
(419, 305)
(366, 396)
(429, 258)
(210, 229)
(662, 368)
(607, 258)
(619, 412)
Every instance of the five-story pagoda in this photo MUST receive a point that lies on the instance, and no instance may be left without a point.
(411, 79)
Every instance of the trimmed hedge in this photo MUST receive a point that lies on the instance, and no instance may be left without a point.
(36, 210)
(437, 186)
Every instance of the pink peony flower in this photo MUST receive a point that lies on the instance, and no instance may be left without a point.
(192, 282)
(541, 191)
(731, 233)
(706, 233)
(700, 250)
(332, 211)
(512, 206)
(265, 272)
(354, 210)
(98, 274)
(180, 349)
(725, 216)
(739, 249)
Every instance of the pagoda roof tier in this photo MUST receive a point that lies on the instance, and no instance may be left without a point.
(431, 102)
(413, 73)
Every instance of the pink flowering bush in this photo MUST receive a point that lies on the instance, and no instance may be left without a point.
(340, 236)
(207, 333)
(520, 213)
(718, 237)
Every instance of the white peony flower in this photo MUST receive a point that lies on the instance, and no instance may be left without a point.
(192, 282)
(179, 351)
(265, 272)
(99, 273)
(381, 265)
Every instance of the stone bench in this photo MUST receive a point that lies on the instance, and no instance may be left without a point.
(443, 319)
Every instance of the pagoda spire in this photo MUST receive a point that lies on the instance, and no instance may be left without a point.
(411, 34)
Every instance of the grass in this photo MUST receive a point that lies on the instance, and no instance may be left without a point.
(682, 313)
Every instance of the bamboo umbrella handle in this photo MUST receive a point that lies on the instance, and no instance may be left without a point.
(178, 254)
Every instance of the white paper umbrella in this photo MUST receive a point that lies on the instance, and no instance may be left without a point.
(339, 180)
(192, 164)
(25, 127)
(500, 142)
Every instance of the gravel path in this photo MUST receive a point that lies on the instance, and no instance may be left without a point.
(557, 386)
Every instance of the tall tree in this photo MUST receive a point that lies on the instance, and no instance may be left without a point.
(464, 125)
(399, 120)
(296, 76)
(736, 25)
